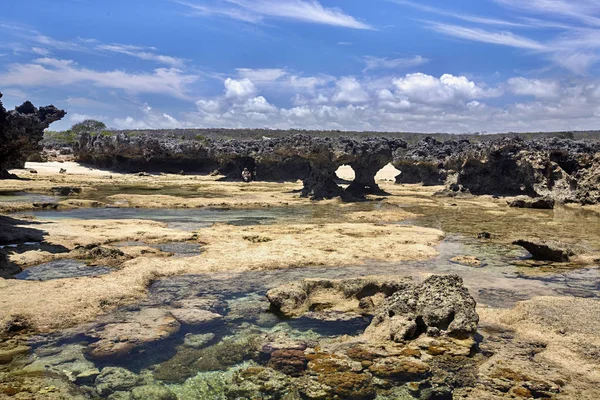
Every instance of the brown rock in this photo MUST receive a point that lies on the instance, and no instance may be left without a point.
(135, 330)
(407, 369)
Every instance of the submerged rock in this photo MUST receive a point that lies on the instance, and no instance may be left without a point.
(546, 250)
(117, 339)
(441, 305)
(538, 203)
(152, 392)
(115, 379)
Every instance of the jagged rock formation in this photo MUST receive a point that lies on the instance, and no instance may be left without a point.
(311, 159)
(559, 169)
(21, 130)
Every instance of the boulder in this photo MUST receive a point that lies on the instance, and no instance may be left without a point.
(441, 305)
(546, 250)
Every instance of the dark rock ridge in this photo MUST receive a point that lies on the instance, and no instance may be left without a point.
(560, 170)
(563, 170)
(311, 159)
(21, 130)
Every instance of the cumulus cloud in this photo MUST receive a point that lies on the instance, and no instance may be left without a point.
(235, 89)
(448, 89)
(534, 87)
(349, 90)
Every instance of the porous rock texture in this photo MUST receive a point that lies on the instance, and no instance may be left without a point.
(311, 159)
(344, 295)
(441, 305)
(562, 170)
(21, 130)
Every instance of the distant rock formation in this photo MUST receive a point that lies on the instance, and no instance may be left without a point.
(314, 160)
(21, 130)
(560, 170)
(563, 170)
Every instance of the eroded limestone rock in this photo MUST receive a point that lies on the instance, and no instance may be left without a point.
(441, 305)
(359, 295)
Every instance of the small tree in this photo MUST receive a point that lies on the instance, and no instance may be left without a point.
(88, 126)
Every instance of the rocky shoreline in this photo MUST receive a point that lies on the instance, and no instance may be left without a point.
(564, 170)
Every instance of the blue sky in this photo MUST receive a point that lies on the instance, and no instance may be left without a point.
(389, 65)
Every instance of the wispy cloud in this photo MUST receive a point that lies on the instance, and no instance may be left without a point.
(504, 38)
(393, 63)
(308, 11)
(460, 16)
(141, 53)
(585, 11)
(52, 72)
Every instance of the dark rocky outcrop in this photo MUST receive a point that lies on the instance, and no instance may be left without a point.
(21, 130)
(546, 250)
(314, 160)
(562, 170)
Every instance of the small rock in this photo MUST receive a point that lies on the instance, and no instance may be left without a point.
(191, 316)
(87, 377)
(198, 341)
(152, 392)
(484, 235)
(115, 379)
(469, 261)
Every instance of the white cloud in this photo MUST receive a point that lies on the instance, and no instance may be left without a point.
(76, 118)
(51, 72)
(141, 53)
(393, 63)
(209, 106)
(349, 90)
(40, 51)
(448, 89)
(239, 88)
(534, 87)
(460, 16)
(296, 10)
(258, 105)
(503, 38)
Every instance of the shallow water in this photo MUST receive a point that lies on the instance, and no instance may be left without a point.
(26, 197)
(501, 281)
(179, 249)
(61, 269)
(184, 219)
